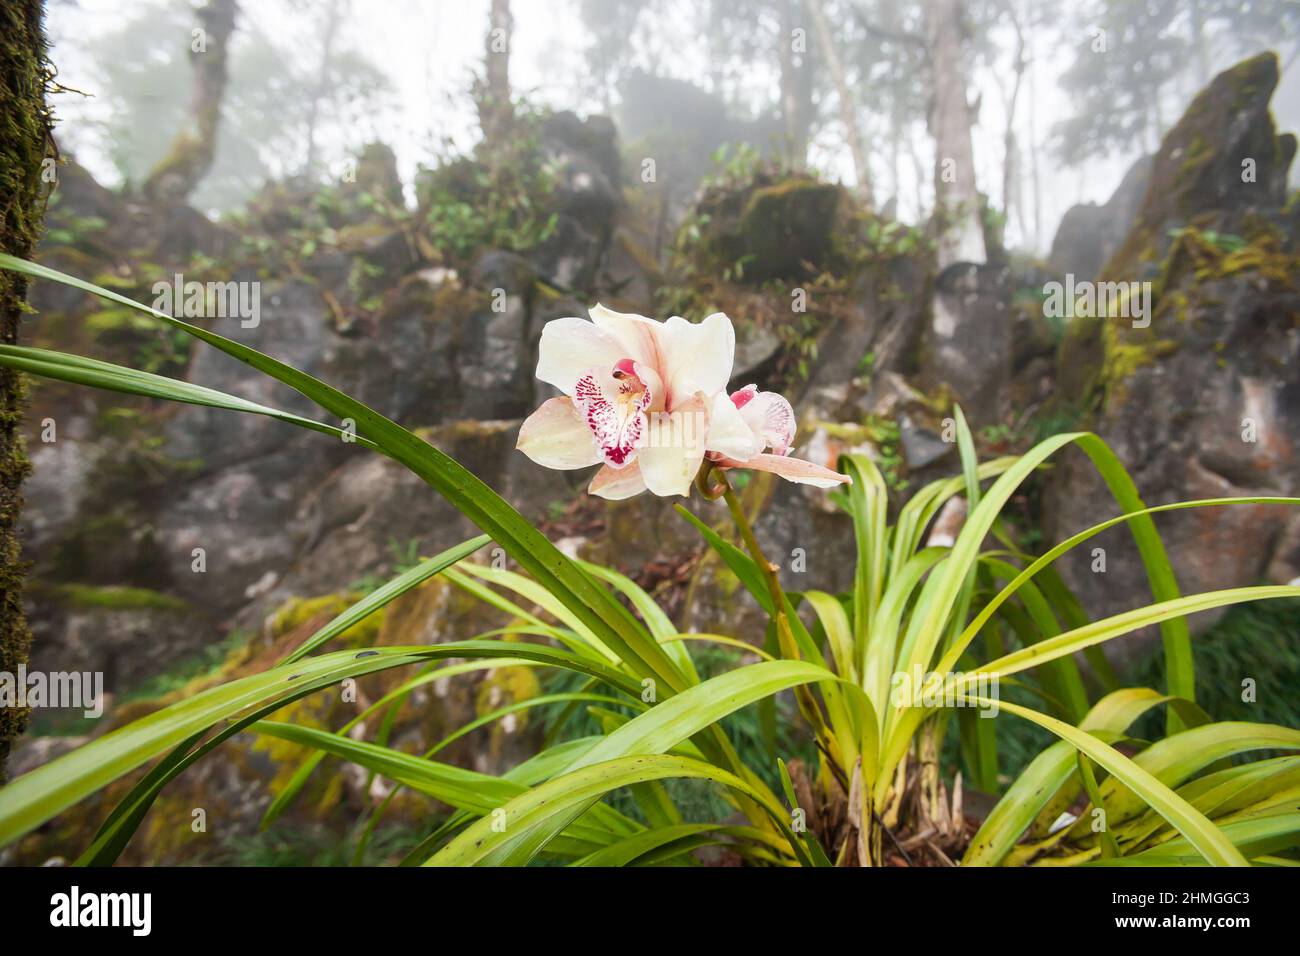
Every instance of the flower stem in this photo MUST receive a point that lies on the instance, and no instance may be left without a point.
(785, 635)
(751, 544)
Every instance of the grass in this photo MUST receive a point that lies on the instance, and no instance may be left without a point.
(292, 845)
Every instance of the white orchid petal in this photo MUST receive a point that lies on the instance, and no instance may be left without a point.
(729, 433)
(793, 469)
(555, 436)
(770, 416)
(654, 385)
(617, 484)
(571, 346)
(638, 338)
(700, 356)
(669, 461)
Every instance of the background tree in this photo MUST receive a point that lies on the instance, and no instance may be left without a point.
(335, 11)
(279, 117)
(796, 82)
(848, 107)
(889, 59)
(493, 95)
(957, 202)
(1137, 63)
(192, 152)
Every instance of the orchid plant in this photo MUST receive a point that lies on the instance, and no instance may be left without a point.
(963, 611)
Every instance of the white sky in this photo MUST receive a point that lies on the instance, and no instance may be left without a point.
(429, 49)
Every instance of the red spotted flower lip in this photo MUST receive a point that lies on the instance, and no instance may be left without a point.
(648, 400)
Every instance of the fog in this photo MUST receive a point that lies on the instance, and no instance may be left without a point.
(425, 53)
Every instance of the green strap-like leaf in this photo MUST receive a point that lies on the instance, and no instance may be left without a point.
(1118, 625)
(593, 604)
(30, 800)
(478, 793)
(672, 721)
(1175, 759)
(940, 595)
(1038, 565)
(522, 827)
(384, 595)
(630, 850)
(80, 370)
(1207, 839)
(289, 793)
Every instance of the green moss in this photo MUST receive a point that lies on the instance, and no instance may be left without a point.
(796, 188)
(1266, 258)
(471, 430)
(1262, 252)
(1123, 360)
(1198, 154)
(1196, 257)
(114, 598)
(296, 612)
(1125, 355)
(787, 224)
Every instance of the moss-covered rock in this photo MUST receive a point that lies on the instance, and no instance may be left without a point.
(772, 227)
(1197, 396)
(1217, 170)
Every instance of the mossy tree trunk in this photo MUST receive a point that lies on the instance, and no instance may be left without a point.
(192, 152)
(24, 145)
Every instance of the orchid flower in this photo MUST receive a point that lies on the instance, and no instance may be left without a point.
(648, 401)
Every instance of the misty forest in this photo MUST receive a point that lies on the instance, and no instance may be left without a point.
(608, 433)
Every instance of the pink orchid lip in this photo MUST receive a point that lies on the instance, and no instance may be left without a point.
(617, 422)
